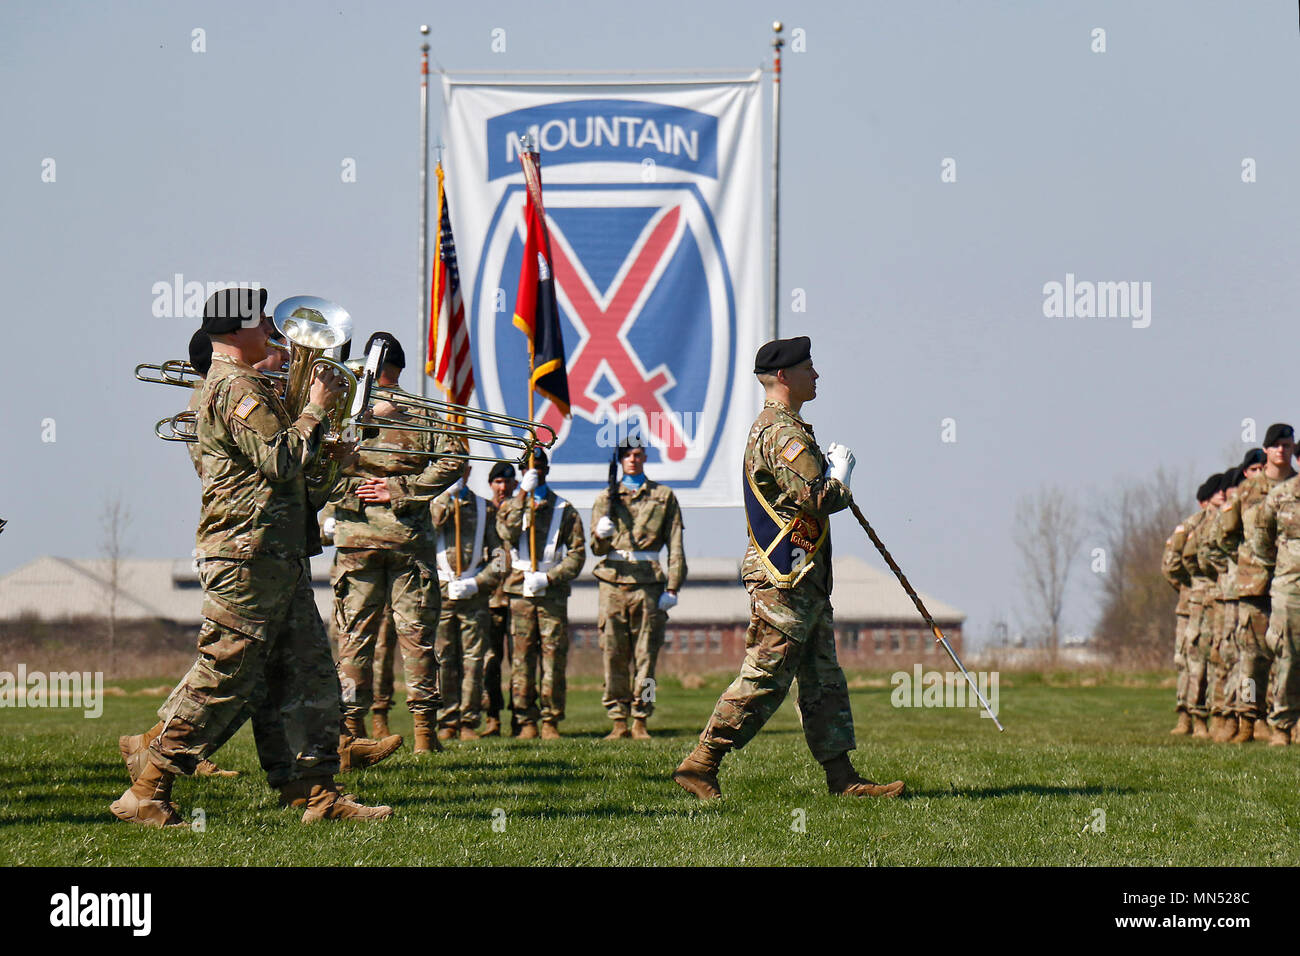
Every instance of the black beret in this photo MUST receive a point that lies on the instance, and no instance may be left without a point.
(1276, 433)
(783, 353)
(540, 460)
(633, 439)
(502, 469)
(201, 352)
(1232, 477)
(1203, 493)
(1214, 484)
(394, 355)
(1255, 456)
(226, 310)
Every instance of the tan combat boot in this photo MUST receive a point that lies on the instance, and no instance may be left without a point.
(135, 752)
(550, 730)
(446, 733)
(426, 740)
(149, 800)
(1227, 728)
(1281, 737)
(357, 752)
(326, 802)
(1184, 725)
(356, 726)
(468, 733)
(698, 773)
(620, 731)
(492, 727)
(639, 729)
(381, 724)
(528, 731)
(842, 780)
(1199, 729)
(1245, 731)
(1214, 725)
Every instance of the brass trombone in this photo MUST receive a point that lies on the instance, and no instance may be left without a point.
(171, 372)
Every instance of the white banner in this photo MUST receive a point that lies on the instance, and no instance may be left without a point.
(653, 200)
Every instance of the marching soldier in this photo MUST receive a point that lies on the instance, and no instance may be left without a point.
(1275, 541)
(262, 647)
(470, 566)
(384, 558)
(539, 600)
(502, 481)
(791, 489)
(632, 521)
(1200, 618)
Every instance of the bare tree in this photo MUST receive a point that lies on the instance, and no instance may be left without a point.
(113, 522)
(1047, 534)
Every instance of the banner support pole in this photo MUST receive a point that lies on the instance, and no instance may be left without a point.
(774, 322)
(424, 211)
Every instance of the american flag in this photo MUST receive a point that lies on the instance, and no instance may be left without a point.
(449, 361)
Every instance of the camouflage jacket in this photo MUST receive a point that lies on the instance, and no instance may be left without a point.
(786, 467)
(1200, 582)
(570, 551)
(645, 519)
(403, 523)
(1253, 577)
(1171, 565)
(488, 564)
(1276, 538)
(1219, 560)
(499, 598)
(253, 457)
(196, 453)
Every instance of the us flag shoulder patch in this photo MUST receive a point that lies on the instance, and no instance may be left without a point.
(245, 407)
(792, 449)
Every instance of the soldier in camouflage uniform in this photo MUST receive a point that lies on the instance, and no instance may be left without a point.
(539, 600)
(385, 557)
(791, 490)
(1221, 560)
(1176, 573)
(635, 594)
(1275, 541)
(1201, 608)
(468, 575)
(262, 647)
(502, 481)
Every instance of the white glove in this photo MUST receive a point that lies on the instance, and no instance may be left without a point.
(667, 600)
(535, 583)
(455, 488)
(839, 463)
(460, 588)
(529, 481)
(604, 527)
(327, 528)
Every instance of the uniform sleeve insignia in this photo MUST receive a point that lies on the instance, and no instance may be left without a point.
(245, 407)
(792, 449)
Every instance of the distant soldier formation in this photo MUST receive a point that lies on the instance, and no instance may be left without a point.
(1235, 563)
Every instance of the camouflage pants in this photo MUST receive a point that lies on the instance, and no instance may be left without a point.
(1255, 658)
(1180, 660)
(368, 583)
(263, 653)
(462, 634)
(1197, 644)
(493, 654)
(1222, 692)
(385, 657)
(539, 627)
(1284, 635)
(631, 634)
(790, 637)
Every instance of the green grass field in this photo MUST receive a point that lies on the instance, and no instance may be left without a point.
(1024, 797)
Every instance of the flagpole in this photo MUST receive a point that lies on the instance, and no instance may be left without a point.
(435, 307)
(773, 317)
(424, 206)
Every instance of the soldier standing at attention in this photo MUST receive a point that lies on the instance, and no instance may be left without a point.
(262, 646)
(1255, 687)
(1200, 631)
(539, 600)
(1221, 560)
(1176, 573)
(791, 490)
(467, 578)
(502, 481)
(384, 559)
(632, 521)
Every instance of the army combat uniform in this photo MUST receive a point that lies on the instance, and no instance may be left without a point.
(262, 646)
(384, 563)
(787, 571)
(1275, 540)
(646, 520)
(1171, 565)
(1220, 561)
(464, 624)
(539, 625)
(1200, 621)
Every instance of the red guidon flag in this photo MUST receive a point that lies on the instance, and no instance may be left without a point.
(449, 359)
(536, 312)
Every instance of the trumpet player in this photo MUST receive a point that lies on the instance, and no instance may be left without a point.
(262, 646)
(385, 559)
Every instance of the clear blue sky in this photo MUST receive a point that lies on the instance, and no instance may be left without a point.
(924, 298)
